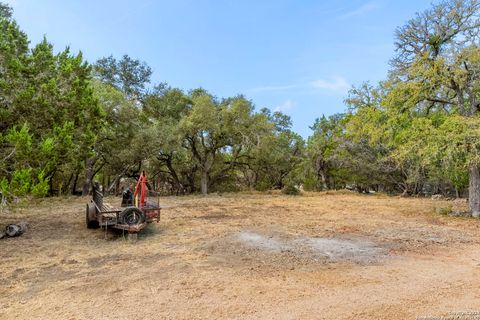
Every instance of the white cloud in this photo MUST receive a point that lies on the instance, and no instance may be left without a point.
(272, 88)
(362, 10)
(285, 106)
(335, 84)
(338, 84)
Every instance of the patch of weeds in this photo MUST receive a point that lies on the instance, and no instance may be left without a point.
(291, 190)
(444, 211)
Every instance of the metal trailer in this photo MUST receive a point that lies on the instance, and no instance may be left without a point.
(132, 216)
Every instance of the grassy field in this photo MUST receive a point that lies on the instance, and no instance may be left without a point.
(245, 256)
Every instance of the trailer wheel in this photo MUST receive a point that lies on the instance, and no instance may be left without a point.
(91, 212)
(131, 216)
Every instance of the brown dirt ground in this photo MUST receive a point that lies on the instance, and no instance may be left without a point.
(245, 256)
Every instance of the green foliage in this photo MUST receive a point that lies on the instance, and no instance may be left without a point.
(425, 114)
(291, 190)
(40, 189)
(50, 117)
(4, 186)
(263, 185)
(127, 74)
(21, 182)
(310, 181)
(20, 139)
(5, 11)
(65, 122)
(444, 211)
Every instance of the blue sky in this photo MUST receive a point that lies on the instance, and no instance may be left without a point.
(299, 57)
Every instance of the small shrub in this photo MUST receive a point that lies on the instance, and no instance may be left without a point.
(40, 189)
(21, 182)
(311, 184)
(443, 210)
(263, 186)
(291, 190)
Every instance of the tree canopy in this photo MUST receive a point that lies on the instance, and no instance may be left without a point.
(65, 122)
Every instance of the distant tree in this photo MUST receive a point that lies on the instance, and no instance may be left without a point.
(276, 154)
(211, 127)
(322, 145)
(127, 74)
(437, 90)
(163, 109)
(426, 114)
(6, 11)
(117, 150)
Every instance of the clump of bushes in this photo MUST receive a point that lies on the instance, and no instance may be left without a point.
(291, 190)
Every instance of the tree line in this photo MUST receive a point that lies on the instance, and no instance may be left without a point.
(65, 122)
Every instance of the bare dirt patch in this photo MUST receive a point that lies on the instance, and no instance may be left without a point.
(245, 256)
(249, 249)
(318, 249)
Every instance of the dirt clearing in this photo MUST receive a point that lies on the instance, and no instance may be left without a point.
(245, 256)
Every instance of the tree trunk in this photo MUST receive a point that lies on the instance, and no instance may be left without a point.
(474, 190)
(75, 181)
(323, 180)
(204, 182)
(320, 167)
(173, 174)
(50, 184)
(89, 164)
(66, 187)
(117, 187)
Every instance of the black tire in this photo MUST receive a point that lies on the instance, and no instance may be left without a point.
(91, 213)
(131, 216)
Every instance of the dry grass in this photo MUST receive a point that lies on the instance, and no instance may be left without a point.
(196, 262)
